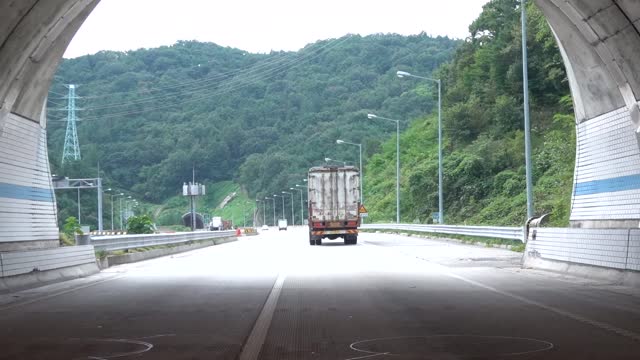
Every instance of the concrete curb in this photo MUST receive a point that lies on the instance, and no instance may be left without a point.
(146, 255)
(40, 278)
(615, 276)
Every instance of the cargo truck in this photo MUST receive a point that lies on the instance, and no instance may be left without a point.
(334, 202)
(216, 223)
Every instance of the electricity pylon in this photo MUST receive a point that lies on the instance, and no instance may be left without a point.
(71, 149)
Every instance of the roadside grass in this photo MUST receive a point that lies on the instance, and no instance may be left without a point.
(513, 245)
(101, 254)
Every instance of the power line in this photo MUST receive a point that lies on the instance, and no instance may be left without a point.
(208, 79)
(239, 83)
(252, 72)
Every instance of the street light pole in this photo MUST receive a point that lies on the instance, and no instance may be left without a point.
(301, 205)
(402, 74)
(121, 213)
(293, 216)
(302, 200)
(110, 194)
(284, 216)
(373, 116)
(274, 208)
(527, 124)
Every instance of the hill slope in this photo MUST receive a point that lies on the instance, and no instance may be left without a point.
(149, 116)
(484, 174)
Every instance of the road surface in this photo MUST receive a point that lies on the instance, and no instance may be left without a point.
(275, 297)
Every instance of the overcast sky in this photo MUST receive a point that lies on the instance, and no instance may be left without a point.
(262, 26)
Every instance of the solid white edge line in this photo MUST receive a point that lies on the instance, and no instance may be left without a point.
(598, 324)
(601, 325)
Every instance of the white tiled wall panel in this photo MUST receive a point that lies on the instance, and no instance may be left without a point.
(607, 177)
(22, 262)
(27, 201)
(612, 248)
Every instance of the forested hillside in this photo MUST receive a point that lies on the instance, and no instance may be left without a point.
(484, 174)
(261, 120)
(150, 115)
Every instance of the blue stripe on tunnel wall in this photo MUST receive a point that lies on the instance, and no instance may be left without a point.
(622, 183)
(20, 192)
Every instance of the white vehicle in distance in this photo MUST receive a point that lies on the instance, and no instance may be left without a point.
(282, 224)
(265, 227)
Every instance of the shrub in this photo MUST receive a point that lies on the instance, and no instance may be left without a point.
(140, 225)
(71, 226)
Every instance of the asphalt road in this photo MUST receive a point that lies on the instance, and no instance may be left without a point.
(275, 297)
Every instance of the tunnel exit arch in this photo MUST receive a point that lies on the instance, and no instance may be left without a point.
(599, 40)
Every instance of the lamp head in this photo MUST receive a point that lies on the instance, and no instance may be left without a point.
(327, 159)
(291, 189)
(372, 116)
(402, 74)
(339, 142)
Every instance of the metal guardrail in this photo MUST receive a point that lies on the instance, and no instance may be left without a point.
(121, 242)
(501, 232)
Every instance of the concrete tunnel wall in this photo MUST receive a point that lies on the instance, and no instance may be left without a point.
(600, 44)
(33, 37)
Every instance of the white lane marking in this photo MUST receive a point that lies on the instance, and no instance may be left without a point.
(599, 324)
(155, 336)
(354, 346)
(253, 345)
(146, 347)
(24, 303)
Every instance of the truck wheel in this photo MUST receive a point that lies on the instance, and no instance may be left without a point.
(319, 241)
(354, 240)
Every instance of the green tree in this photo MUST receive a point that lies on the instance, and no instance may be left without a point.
(71, 227)
(141, 224)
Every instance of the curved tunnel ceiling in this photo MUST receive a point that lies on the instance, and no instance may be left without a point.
(600, 42)
(33, 37)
